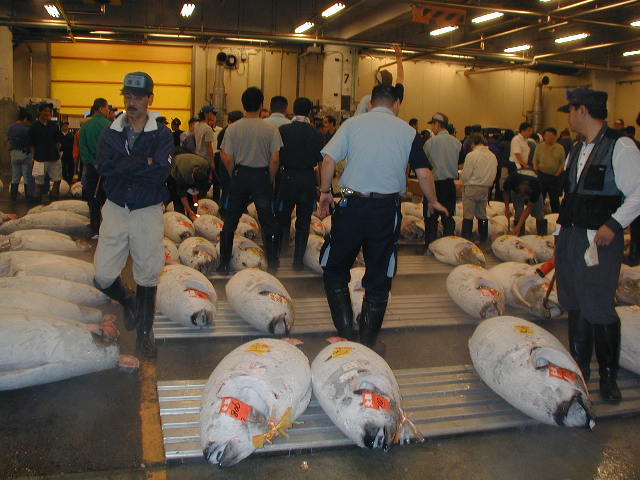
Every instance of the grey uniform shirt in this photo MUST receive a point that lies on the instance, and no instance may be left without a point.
(251, 141)
(443, 152)
(379, 146)
(277, 119)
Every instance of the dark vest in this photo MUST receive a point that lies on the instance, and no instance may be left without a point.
(590, 201)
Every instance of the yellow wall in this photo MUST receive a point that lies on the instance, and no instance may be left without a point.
(81, 72)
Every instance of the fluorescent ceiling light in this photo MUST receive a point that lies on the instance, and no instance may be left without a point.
(253, 40)
(452, 55)
(333, 9)
(518, 48)
(304, 27)
(391, 50)
(545, 1)
(443, 30)
(636, 23)
(52, 10)
(170, 35)
(571, 38)
(102, 32)
(187, 9)
(100, 39)
(631, 52)
(487, 17)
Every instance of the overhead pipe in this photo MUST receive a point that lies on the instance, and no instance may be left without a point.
(66, 19)
(537, 103)
(584, 49)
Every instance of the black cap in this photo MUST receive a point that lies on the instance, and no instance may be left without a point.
(43, 105)
(138, 83)
(162, 120)
(176, 121)
(585, 96)
(209, 109)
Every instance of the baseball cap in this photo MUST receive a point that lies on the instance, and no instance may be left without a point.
(585, 96)
(176, 121)
(162, 120)
(439, 117)
(138, 83)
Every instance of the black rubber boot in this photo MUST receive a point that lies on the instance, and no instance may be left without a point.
(541, 227)
(272, 246)
(483, 229)
(607, 340)
(431, 233)
(370, 321)
(145, 310)
(634, 246)
(339, 301)
(226, 249)
(581, 342)
(285, 235)
(121, 294)
(299, 248)
(467, 228)
(449, 226)
(13, 192)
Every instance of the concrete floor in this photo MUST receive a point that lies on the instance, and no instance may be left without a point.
(97, 426)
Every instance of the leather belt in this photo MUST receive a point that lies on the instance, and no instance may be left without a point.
(347, 192)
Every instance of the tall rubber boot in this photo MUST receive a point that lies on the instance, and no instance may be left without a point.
(483, 229)
(285, 235)
(121, 294)
(13, 192)
(226, 249)
(581, 342)
(467, 228)
(607, 341)
(299, 248)
(449, 226)
(339, 301)
(541, 227)
(145, 310)
(634, 246)
(370, 321)
(431, 234)
(271, 246)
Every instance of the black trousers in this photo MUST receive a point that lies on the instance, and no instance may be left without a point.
(297, 189)
(94, 195)
(551, 185)
(446, 193)
(246, 185)
(372, 224)
(175, 198)
(221, 186)
(68, 168)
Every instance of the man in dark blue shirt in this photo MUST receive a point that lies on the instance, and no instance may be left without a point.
(45, 138)
(20, 153)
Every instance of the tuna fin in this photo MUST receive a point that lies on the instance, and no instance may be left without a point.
(574, 413)
(376, 436)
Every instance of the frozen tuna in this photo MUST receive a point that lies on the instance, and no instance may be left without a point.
(261, 300)
(18, 263)
(253, 396)
(456, 251)
(200, 254)
(630, 337)
(207, 207)
(476, 291)
(412, 228)
(413, 209)
(41, 240)
(76, 190)
(312, 254)
(177, 227)
(629, 285)
(186, 296)
(56, 220)
(358, 391)
(542, 246)
(74, 292)
(525, 290)
(171, 254)
(510, 248)
(76, 206)
(209, 227)
(246, 254)
(41, 302)
(530, 369)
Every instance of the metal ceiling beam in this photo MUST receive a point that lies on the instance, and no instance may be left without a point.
(373, 20)
(586, 48)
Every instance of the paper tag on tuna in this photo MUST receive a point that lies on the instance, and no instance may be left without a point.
(524, 329)
(256, 250)
(258, 348)
(341, 352)
(489, 292)
(234, 408)
(276, 297)
(375, 401)
(561, 373)
(183, 223)
(197, 294)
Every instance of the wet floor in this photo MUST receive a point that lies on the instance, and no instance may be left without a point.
(101, 426)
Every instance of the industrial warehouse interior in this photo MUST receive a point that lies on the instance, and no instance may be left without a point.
(143, 336)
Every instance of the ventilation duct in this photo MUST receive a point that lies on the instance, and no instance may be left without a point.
(537, 103)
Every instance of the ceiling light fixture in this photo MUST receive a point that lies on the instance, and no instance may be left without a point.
(443, 30)
(102, 32)
(52, 10)
(545, 1)
(170, 35)
(636, 23)
(304, 27)
(453, 55)
(252, 40)
(187, 9)
(100, 39)
(571, 38)
(487, 17)
(518, 48)
(391, 50)
(333, 9)
(631, 52)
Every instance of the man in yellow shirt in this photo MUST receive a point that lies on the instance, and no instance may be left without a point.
(548, 162)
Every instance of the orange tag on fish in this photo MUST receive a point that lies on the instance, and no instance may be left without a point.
(234, 408)
(375, 401)
(489, 292)
(561, 373)
(183, 223)
(276, 297)
(257, 251)
(341, 352)
(258, 348)
(197, 294)
(524, 329)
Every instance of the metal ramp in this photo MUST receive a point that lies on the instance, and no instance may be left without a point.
(407, 265)
(313, 316)
(441, 401)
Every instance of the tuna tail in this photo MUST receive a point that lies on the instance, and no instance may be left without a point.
(490, 310)
(377, 436)
(408, 431)
(225, 455)
(202, 318)
(574, 413)
(279, 325)
(468, 255)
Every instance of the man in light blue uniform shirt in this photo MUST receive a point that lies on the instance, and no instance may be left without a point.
(379, 146)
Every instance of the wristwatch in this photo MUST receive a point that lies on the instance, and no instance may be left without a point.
(325, 191)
